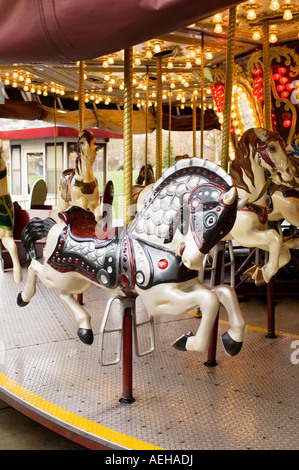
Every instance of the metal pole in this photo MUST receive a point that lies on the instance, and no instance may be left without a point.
(81, 96)
(194, 123)
(267, 76)
(159, 119)
(128, 133)
(230, 65)
(169, 128)
(127, 394)
(146, 129)
(202, 91)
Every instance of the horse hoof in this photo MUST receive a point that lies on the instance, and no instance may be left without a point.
(232, 347)
(20, 301)
(180, 343)
(86, 336)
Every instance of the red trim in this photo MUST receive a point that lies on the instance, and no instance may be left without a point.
(42, 132)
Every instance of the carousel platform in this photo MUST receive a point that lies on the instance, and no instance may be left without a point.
(246, 402)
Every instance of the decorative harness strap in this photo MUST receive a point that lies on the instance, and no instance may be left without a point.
(3, 173)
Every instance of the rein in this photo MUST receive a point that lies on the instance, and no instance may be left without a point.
(3, 173)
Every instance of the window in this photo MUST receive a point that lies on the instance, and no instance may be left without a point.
(16, 177)
(53, 168)
(35, 168)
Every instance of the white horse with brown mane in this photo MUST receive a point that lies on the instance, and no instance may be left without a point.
(7, 220)
(78, 187)
(283, 200)
(260, 157)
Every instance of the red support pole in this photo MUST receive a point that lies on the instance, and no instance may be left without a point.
(271, 309)
(127, 396)
(211, 361)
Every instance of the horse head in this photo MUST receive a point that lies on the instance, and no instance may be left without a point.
(268, 151)
(190, 208)
(150, 178)
(86, 149)
(212, 216)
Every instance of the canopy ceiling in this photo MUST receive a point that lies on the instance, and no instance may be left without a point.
(43, 40)
(68, 30)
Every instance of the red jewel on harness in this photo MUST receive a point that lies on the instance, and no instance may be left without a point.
(123, 280)
(162, 264)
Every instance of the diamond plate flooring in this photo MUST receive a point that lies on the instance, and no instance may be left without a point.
(246, 402)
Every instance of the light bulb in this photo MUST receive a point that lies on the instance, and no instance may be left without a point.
(251, 15)
(274, 5)
(272, 38)
(170, 64)
(217, 18)
(287, 15)
(256, 35)
(157, 48)
(218, 29)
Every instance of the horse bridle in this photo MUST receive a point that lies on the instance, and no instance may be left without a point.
(3, 173)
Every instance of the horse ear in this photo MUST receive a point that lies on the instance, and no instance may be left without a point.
(242, 203)
(260, 133)
(230, 196)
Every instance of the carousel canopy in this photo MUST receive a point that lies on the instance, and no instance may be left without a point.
(41, 42)
(47, 31)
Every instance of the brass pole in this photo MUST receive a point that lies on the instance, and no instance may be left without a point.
(228, 88)
(202, 91)
(146, 129)
(55, 147)
(169, 127)
(128, 133)
(81, 95)
(267, 77)
(159, 119)
(194, 123)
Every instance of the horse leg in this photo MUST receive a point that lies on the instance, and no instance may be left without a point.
(29, 291)
(83, 318)
(267, 240)
(208, 303)
(232, 340)
(10, 245)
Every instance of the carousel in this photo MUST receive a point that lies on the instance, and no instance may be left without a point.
(131, 336)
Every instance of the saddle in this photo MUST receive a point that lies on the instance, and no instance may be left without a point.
(83, 226)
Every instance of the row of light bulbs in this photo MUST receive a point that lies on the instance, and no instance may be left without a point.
(24, 80)
(252, 7)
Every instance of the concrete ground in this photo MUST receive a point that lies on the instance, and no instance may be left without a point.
(17, 432)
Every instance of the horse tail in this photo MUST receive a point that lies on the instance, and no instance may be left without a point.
(36, 229)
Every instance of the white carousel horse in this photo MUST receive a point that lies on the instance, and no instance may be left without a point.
(189, 209)
(7, 220)
(260, 158)
(78, 187)
(283, 200)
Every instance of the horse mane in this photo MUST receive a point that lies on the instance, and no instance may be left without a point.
(249, 140)
(141, 176)
(171, 193)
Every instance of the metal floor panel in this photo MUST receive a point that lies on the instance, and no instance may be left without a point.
(246, 402)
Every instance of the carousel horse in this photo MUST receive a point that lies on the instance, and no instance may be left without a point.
(157, 257)
(78, 187)
(7, 221)
(140, 182)
(260, 158)
(283, 200)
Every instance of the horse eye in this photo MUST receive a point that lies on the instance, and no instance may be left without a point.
(210, 220)
(272, 148)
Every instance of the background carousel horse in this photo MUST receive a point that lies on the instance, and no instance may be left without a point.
(189, 209)
(140, 182)
(260, 157)
(7, 220)
(78, 187)
(283, 200)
